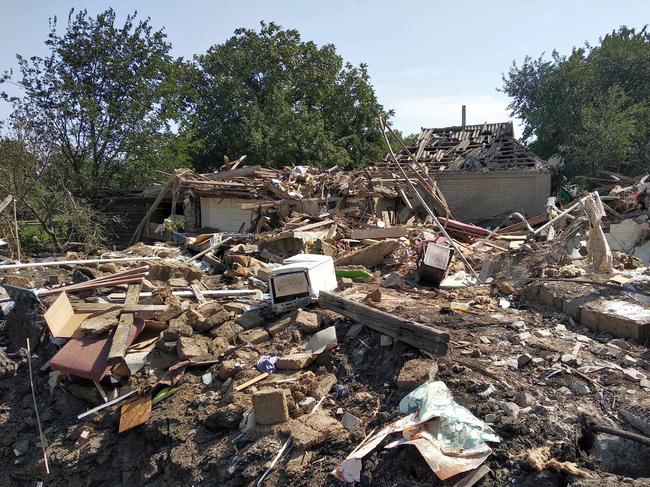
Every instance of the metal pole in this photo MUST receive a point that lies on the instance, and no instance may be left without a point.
(423, 203)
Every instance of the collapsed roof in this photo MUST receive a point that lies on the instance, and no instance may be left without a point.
(486, 147)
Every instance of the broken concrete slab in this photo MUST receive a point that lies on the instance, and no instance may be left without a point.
(350, 421)
(369, 256)
(643, 252)
(311, 430)
(306, 321)
(270, 407)
(294, 361)
(255, 335)
(100, 324)
(626, 235)
(189, 347)
(228, 330)
(250, 319)
(393, 280)
(322, 341)
(280, 325)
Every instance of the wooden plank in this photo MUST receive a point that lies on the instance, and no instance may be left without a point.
(405, 199)
(254, 380)
(425, 338)
(305, 228)
(138, 309)
(134, 413)
(378, 233)
(234, 173)
(121, 336)
(6, 202)
(211, 248)
(152, 208)
(52, 263)
(94, 285)
(218, 293)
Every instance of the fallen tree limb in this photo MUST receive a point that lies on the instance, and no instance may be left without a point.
(415, 334)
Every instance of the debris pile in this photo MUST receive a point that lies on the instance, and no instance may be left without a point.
(331, 346)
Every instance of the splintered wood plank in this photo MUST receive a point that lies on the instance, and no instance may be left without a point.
(121, 337)
(254, 380)
(134, 413)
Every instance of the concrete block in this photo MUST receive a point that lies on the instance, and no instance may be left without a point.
(188, 347)
(270, 407)
(623, 319)
(279, 326)
(255, 336)
(306, 321)
(250, 319)
(294, 361)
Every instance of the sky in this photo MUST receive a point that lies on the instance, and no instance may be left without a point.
(425, 58)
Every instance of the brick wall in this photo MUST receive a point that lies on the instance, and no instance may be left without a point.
(480, 196)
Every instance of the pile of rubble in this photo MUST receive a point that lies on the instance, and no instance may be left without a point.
(328, 349)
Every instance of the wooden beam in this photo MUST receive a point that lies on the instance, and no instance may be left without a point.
(152, 208)
(121, 337)
(304, 228)
(209, 249)
(138, 309)
(52, 263)
(234, 173)
(6, 202)
(426, 338)
(218, 293)
(378, 233)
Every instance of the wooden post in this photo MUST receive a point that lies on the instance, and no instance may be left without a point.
(145, 220)
(16, 229)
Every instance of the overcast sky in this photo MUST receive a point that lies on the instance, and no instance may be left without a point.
(426, 58)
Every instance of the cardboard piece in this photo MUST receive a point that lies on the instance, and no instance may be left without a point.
(134, 413)
(61, 318)
(87, 357)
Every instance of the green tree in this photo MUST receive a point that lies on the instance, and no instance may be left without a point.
(101, 100)
(40, 195)
(591, 107)
(281, 101)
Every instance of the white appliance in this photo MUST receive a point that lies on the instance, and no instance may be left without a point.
(299, 280)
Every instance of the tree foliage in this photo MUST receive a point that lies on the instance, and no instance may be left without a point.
(281, 101)
(40, 196)
(591, 107)
(101, 100)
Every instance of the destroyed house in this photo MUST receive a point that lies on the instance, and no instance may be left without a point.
(483, 171)
(253, 199)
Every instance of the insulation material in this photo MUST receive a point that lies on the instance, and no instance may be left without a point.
(598, 247)
(447, 435)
